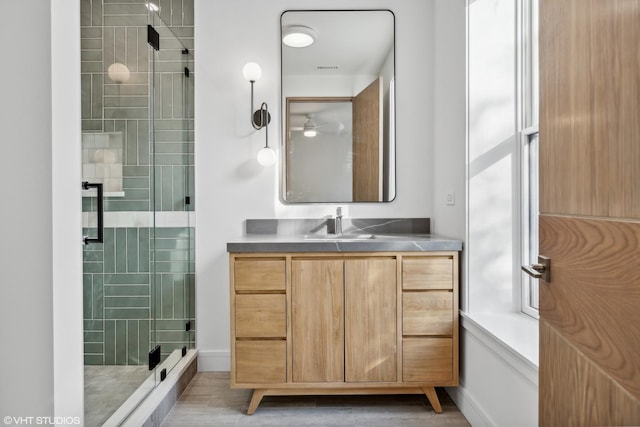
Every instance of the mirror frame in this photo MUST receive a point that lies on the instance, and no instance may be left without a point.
(390, 127)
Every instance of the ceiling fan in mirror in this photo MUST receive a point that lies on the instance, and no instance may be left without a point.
(311, 128)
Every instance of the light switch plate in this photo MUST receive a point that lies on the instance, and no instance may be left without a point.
(451, 198)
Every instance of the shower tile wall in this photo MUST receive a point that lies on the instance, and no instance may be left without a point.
(117, 274)
(118, 293)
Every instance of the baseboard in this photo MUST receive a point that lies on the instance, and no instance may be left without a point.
(469, 407)
(214, 361)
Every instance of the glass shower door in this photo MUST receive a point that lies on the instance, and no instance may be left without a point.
(137, 141)
(172, 141)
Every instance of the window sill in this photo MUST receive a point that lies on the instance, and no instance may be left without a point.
(512, 336)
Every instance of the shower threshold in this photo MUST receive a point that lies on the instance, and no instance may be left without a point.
(151, 401)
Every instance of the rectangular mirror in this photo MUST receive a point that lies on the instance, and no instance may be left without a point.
(338, 106)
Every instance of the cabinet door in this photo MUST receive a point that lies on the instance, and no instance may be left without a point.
(317, 307)
(370, 319)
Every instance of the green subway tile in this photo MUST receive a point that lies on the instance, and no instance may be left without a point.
(93, 347)
(167, 189)
(125, 20)
(92, 125)
(126, 205)
(87, 296)
(121, 250)
(176, 255)
(126, 279)
(179, 299)
(136, 182)
(131, 149)
(94, 336)
(133, 356)
(125, 9)
(132, 250)
(87, 206)
(96, 325)
(172, 267)
(167, 297)
(90, 32)
(121, 342)
(94, 359)
(170, 324)
(174, 159)
(126, 102)
(126, 290)
(137, 194)
(92, 267)
(126, 113)
(109, 250)
(143, 249)
(171, 232)
(126, 302)
(136, 171)
(143, 142)
(126, 313)
(172, 336)
(143, 338)
(92, 256)
(98, 296)
(110, 342)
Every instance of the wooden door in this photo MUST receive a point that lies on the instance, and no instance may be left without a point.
(317, 311)
(367, 143)
(370, 319)
(590, 212)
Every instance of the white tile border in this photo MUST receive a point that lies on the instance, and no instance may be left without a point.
(140, 219)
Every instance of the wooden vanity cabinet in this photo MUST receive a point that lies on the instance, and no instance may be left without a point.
(344, 323)
(344, 320)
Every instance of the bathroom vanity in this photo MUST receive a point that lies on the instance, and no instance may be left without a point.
(344, 314)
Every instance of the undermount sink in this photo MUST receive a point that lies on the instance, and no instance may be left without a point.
(334, 237)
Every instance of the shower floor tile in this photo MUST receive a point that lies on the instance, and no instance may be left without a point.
(107, 387)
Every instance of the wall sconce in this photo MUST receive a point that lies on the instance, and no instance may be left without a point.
(259, 118)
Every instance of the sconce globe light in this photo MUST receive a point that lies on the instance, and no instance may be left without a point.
(252, 72)
(266, 157)
(298, 36)
(259, 118)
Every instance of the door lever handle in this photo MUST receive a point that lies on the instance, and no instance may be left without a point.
(541, 270)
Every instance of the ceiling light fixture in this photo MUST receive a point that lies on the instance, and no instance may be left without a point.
(298, 36)
(309, 129)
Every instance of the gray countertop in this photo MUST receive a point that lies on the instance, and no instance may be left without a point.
(346, 243)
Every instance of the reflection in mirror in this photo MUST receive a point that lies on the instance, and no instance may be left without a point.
(338, 103)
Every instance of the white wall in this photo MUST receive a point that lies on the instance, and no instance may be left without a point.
(40, 294)
(231, 186)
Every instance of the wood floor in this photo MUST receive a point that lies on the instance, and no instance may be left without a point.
(209, 401)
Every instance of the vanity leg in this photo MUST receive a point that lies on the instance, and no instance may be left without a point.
(430, 392)
(258, 394)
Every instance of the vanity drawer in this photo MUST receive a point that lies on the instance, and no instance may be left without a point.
(427, 360)
(427, 273)
(261, 316)
(260, 274)
(427, 313)
(261, 362)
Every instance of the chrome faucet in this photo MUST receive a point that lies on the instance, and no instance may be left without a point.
(338, 227)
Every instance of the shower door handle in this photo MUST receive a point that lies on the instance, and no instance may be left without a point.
(98, 186)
